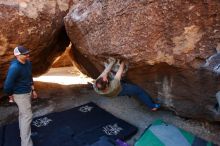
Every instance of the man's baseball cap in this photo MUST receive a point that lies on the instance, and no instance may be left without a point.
(20, 50)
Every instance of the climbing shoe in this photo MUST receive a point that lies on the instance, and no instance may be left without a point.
(156, 106)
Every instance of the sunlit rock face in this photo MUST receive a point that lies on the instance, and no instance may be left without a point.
(35, 24)
(63, 60)
(165, 42)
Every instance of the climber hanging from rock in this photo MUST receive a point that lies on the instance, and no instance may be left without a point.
(109, 84)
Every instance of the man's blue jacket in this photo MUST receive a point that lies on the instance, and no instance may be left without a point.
(19, 78)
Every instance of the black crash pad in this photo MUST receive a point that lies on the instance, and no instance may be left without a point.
(79, 126)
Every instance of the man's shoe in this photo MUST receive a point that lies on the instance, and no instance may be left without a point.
(156, 106)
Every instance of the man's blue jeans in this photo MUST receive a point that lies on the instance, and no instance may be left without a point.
(134, 90)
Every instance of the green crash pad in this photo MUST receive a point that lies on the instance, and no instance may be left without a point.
(160, 133)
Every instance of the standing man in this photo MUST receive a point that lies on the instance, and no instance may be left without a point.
(19, 87)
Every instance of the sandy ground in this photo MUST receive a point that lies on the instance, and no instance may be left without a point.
(57, 97)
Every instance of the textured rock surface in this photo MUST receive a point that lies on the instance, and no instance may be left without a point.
(165, 42)
(35, 24)
(146, 32)
(63, 60)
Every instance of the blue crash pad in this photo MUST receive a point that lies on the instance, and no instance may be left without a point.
(79, 126)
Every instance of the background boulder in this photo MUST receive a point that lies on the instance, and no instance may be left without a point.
(38, 26)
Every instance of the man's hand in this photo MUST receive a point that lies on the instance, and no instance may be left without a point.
(122, 63)
(11, 99)
(125, 64)
(111, 60)
(34, 94)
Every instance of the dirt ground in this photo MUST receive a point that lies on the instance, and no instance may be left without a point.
(56, 97)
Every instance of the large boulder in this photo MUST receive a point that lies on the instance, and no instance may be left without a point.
(35, 24)
(165, 42)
